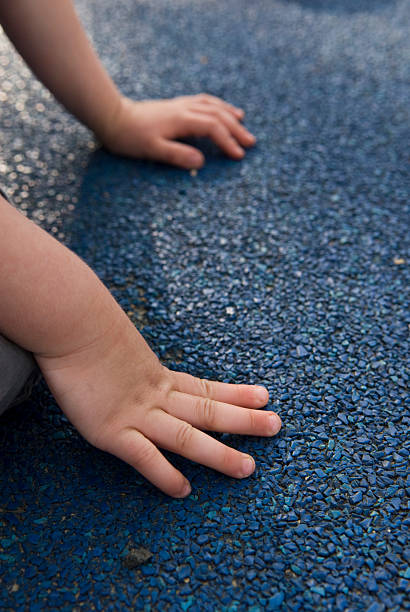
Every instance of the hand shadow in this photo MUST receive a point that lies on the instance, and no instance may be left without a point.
(122, 205)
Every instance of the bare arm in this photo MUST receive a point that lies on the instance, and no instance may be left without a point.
(102, 372)
(51, 39)
(51, 302)
(49, 36)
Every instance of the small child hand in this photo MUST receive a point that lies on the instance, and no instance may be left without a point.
(151, 128)
(122, 400)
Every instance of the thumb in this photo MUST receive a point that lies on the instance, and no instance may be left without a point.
(178, 154)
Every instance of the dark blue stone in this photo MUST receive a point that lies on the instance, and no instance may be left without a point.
(276, 601)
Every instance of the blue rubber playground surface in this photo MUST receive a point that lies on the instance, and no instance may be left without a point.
(288, 269)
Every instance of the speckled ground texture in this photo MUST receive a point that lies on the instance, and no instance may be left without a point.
(288, 269)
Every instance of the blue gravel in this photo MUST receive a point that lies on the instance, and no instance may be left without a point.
(288, 269)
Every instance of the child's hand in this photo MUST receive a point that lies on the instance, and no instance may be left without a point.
(150, 129)
(79, 81)
(124, 401)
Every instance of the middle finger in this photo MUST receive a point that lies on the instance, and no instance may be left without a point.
(212, 415)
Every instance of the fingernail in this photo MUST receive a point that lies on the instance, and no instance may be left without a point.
(251, 138)
(186, 490)
(274, 424)
(240, 151)
(261, 394)
(248, 466)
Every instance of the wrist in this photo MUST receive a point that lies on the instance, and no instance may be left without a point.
(108, 130)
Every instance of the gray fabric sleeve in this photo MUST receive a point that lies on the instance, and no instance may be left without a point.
(18, 371)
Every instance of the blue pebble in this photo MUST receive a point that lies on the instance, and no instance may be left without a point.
(357, 497)
(276, 601)
(375, 607)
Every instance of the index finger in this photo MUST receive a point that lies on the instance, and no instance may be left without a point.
(247, 396)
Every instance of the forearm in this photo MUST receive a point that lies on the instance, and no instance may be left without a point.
(49, 36)
(51, 301)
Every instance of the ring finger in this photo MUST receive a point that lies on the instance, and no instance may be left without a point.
(180, 437)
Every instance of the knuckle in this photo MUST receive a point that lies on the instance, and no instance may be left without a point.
(167, 384)
(207, 412)
(143, 455)
(205, 387)
(184, 436)
(253, 420)
(159, 384)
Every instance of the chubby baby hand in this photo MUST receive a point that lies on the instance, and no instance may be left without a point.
(151, 129)
(122, 400)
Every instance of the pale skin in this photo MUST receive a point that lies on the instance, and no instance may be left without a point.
(101, 371)
(76, 77)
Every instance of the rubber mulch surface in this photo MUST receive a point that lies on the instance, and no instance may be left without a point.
(288, 269)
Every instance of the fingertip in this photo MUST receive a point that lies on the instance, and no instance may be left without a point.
(196, 160)
(274, 424)
(178, 154)
(247, 466)
(238, 152)
(251, 139)
(184, 491)
(261, 395)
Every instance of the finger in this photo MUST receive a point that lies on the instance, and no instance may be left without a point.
(238, 131)
(211, 415)
(134, 448)
(178, 154)
(248, 396)
(180, 437)
(209, 99)
(200, 124)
